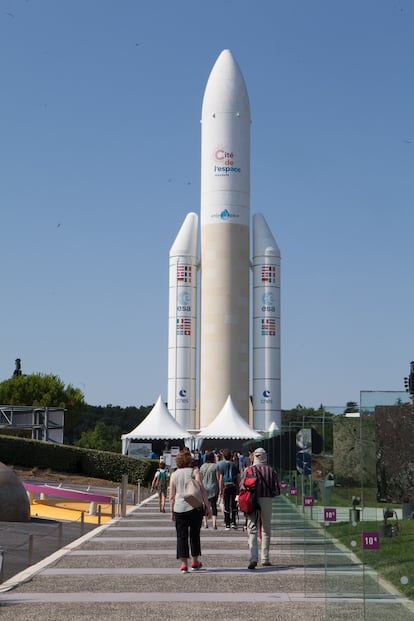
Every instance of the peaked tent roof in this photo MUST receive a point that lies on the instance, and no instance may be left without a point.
(160, 424)
(272, 428)
(229, 424)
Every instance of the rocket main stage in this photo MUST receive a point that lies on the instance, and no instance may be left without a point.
(225, 276)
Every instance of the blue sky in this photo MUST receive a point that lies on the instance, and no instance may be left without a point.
(100, 162)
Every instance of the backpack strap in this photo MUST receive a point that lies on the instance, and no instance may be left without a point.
(250, 472)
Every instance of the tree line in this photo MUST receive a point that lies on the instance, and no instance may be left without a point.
(101, 427)
(87, 426)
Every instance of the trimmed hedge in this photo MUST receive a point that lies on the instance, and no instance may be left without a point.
(75, 460)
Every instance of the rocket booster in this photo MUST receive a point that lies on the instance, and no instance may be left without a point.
(266, 327)
(225, 241)
(182, 328)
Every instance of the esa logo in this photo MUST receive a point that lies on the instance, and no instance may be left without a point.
(182, 396)
(266, 397)
(268, 302)
(184, 301)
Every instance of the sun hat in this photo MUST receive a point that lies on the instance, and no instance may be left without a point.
(260, 456)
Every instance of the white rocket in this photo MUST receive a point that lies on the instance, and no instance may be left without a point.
(225, 233)
(182, 324)
(225, 274)
(266, 327)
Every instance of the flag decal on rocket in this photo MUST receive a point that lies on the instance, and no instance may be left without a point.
(269, 273)
(183, 273)
(268, 327)
(183, 326)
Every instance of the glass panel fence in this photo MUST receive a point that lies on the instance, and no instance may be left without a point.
(387, 434)
(343, 526)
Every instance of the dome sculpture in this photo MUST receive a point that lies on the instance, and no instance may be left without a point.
(14, 503)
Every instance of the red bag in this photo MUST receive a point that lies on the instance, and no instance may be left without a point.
(248, 494)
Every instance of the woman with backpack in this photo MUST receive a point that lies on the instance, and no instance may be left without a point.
(160, 483)
(229, 480)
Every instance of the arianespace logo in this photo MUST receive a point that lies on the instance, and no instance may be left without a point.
(182, 396)
(224, 163)
(225, 215)
(267, 397)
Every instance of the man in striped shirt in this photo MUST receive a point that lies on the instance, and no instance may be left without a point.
(267, 486)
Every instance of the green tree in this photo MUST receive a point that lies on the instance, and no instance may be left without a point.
(351, 406)
(301, 415)
(124, 418)
(102, 437)
(41, 390)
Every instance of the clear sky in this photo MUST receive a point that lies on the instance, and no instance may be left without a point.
(100, 104)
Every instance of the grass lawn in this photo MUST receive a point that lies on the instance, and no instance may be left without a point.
(341, 496)
(394, 560)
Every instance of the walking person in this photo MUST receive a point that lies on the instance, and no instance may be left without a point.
(210, 476)
(229, 480)
(267, 487)
(187, 520)
(160, 483)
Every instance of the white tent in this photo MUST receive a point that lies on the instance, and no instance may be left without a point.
(273, 429)
(158, 425)
(229, 424)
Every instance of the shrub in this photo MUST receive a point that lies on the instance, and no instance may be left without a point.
(74, 460)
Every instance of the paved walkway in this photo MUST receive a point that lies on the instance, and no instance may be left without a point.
(127, 569)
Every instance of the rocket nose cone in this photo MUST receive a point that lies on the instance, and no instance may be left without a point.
(263, 241)
(226, 89)
(186, 240)
(225, 56)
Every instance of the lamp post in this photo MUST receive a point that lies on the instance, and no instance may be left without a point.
(409, 384)
(355, 512)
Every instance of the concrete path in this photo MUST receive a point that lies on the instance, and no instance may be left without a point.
(127, 569)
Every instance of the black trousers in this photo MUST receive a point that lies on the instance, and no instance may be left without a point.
(188, 521)
(213, 505)
(230, 506)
